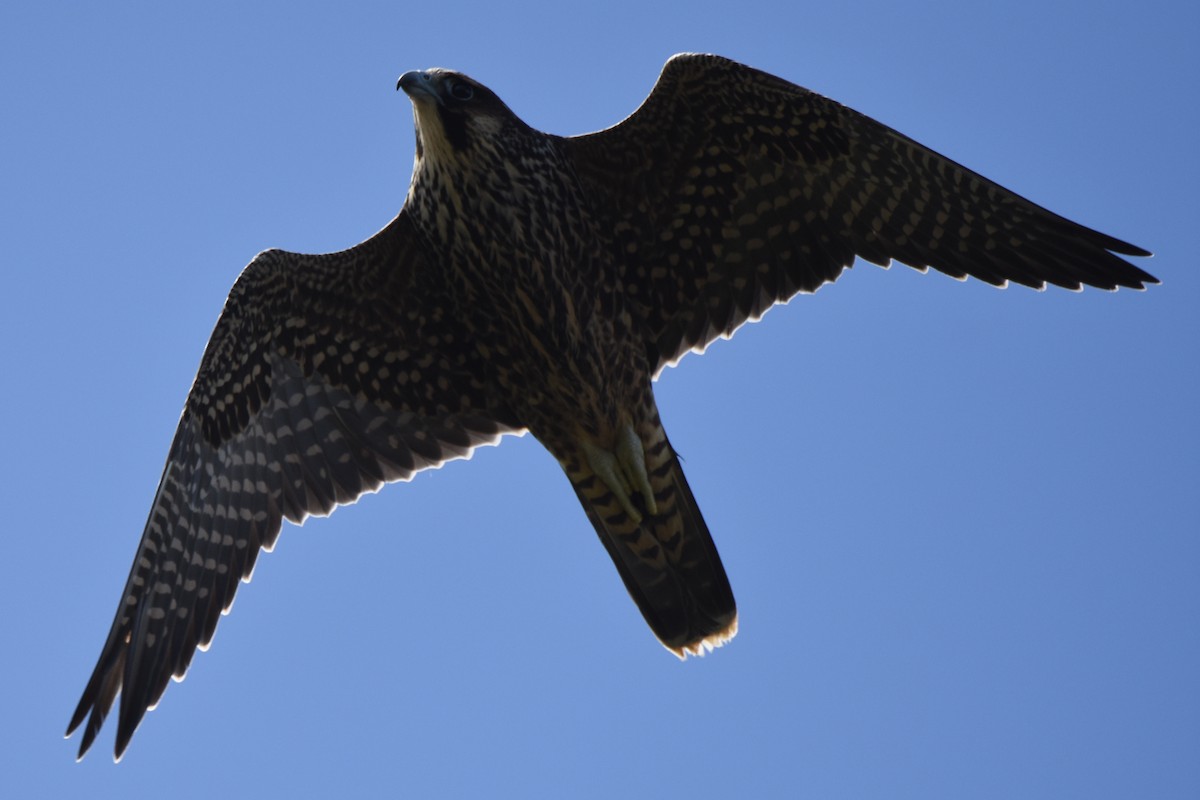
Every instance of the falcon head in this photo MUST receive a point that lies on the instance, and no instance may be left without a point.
(453, 112)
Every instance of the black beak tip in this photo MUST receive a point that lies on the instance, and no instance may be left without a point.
(410, 80)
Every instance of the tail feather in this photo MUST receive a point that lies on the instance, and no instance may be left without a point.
(668, 560)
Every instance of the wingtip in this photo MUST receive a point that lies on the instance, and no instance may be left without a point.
(85, 744)
(1141, 281)
(89, 732)
(1149, 280)
(121, 744)
(1127, 249)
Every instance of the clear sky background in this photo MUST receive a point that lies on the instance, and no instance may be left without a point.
(962, 524)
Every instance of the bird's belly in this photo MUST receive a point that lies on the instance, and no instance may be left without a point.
(564, 367)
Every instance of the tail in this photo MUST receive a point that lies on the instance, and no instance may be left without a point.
(668, 560)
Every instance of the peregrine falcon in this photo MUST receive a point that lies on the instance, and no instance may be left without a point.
(541, 283)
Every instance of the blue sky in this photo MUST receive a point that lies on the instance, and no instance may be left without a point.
(962, 524)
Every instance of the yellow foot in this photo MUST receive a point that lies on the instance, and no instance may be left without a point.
(624, 471)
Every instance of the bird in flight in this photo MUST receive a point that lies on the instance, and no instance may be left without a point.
(540, 283)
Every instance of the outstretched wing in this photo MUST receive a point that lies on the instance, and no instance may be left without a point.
(731, 190)
(326, 376)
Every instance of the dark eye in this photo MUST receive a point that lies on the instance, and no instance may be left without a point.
(461, 91)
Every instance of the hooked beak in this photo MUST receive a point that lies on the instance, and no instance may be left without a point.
(419, 86)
